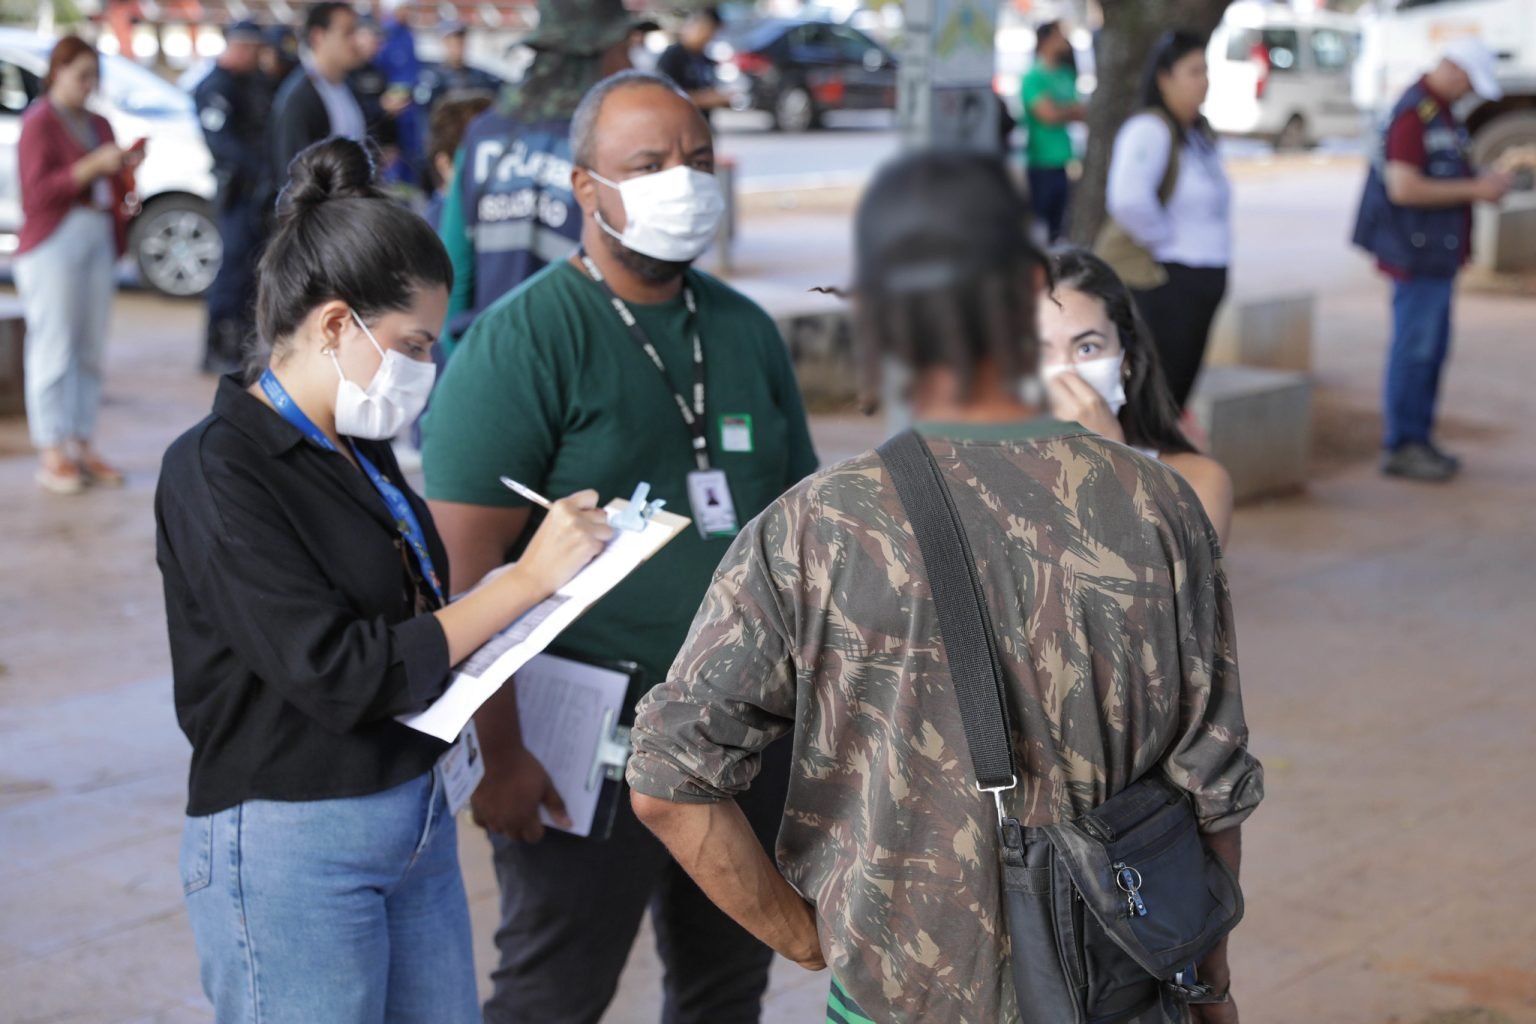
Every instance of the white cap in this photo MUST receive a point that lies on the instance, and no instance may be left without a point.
(1472, 55)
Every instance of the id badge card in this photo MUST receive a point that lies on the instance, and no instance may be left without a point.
(713, 509)
(463, 767)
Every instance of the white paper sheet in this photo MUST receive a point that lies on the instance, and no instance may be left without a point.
(484, 672)
(565, 707)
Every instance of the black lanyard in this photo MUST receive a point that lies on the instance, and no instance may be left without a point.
(693, 417)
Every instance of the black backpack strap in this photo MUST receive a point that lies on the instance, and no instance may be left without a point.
(965, 627)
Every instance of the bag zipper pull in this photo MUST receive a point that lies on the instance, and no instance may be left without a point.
(1129, 881)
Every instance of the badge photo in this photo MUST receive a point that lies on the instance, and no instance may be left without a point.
(709, 494)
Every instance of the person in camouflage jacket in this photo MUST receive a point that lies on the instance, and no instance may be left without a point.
(1103, 576)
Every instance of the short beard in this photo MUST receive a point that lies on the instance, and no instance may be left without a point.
(647, 268)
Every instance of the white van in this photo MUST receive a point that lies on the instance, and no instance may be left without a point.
(1281, 75)
(1405, 38)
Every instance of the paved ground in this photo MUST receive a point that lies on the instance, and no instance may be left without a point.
(1386, 643)
(854, 141)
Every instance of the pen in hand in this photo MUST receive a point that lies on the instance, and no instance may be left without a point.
(526, 492)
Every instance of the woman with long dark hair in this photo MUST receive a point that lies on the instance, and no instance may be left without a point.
(306, 590)
(73, 190)
(1169, 196)
(1102, 370)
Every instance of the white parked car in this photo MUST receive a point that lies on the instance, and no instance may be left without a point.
(174, 240)
(1284, 76)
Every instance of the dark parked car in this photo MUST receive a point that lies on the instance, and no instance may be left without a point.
(799, 70)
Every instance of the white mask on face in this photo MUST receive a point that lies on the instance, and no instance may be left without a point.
(1104, 375)
(671, 215)
(395, 397)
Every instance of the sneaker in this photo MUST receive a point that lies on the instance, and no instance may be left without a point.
(64, 478)
(101, 474)
(1454, 462)
(1419, 462)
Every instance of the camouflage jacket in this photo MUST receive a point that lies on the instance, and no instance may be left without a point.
(1103, 575)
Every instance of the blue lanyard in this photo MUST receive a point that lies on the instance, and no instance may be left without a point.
(399, 507)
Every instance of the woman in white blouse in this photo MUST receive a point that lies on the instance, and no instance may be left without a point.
(1189, 235)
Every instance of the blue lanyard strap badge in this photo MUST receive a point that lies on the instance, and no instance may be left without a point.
(394, 499)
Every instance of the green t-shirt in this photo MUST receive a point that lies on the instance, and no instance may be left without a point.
(1049, 144)
(549, 388)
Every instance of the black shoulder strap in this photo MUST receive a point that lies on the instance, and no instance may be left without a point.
(965, 627)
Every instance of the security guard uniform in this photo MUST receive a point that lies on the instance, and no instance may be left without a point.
(441, 81)
(232, 109)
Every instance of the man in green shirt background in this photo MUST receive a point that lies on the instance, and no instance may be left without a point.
(554, 387)
(1050, 104)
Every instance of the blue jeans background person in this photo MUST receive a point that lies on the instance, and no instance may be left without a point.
(1421, 339)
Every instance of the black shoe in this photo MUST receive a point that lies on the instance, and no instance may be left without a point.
(1454, 462)
(1419, 462)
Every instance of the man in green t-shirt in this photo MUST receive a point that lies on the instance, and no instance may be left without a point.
(554, 388)
(1050, 104)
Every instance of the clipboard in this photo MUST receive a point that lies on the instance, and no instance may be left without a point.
(480, 675)
(575, 712)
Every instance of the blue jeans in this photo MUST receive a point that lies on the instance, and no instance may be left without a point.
(1050, 190)
(66, 286)
(1421, 337)
(343, 911)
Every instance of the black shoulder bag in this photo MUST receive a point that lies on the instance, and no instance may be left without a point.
(1107, 914)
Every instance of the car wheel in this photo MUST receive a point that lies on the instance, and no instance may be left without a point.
(794, 110)
(1504, 132)
(175, 243)
(1293, 136)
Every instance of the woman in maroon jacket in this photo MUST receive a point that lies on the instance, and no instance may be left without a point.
(74, 185)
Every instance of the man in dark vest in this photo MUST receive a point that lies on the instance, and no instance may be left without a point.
(1416, 219)
(509, 211)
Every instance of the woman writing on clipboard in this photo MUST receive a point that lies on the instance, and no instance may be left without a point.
(305, 589)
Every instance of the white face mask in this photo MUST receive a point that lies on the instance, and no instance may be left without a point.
(395, 397)
(670, 215)
(1105, 375)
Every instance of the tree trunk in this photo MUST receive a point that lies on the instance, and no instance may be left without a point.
(1131, 27)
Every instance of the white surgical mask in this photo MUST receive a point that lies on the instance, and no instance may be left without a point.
(670, 215)
(395, 397)
(1104, 375)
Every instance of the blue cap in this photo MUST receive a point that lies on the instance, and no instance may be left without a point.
(243, 31)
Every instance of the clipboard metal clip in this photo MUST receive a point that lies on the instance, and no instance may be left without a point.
(638, 514)
(612, 752)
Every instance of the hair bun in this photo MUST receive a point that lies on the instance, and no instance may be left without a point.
(336, 168)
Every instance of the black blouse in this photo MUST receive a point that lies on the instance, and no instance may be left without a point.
(298, 621)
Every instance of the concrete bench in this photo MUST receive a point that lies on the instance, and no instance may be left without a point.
(1259, 425)
(821, 347)
(13, 335)
(1504, 236)
(1274, 334)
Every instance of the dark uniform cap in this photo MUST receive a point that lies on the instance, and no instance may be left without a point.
(933, 219)
(452, 27)
(581, 28)
(244, 31)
